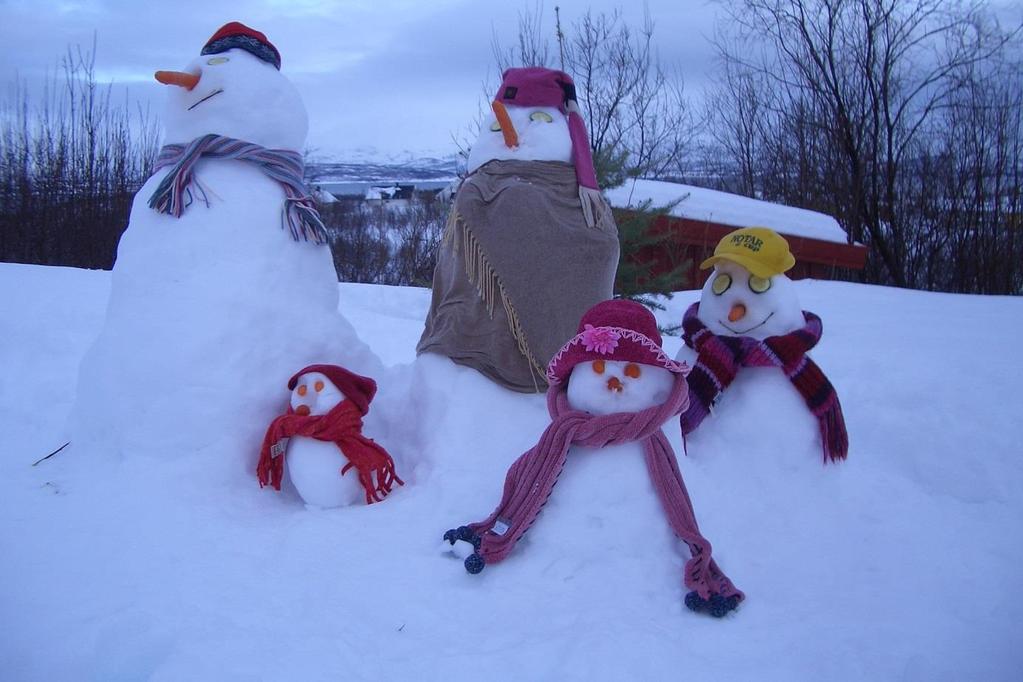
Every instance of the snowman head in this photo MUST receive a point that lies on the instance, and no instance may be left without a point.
(314, 394)
(235, 88)
(316, 389)
(615, 363)
(748, 294)
(535, 118)
(529, 134)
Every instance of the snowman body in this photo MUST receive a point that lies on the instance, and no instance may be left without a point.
(760, 415)
(315, 466)
(604, 499)
(208, 310)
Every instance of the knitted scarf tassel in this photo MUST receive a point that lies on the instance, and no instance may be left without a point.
(720, 357)
(174, 193)
(531, 479)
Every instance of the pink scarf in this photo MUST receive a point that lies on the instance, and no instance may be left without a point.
(531, 480)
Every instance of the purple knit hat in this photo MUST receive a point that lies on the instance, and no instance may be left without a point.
(536, 86)
(614, 330)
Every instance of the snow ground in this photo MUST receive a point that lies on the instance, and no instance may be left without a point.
(902, 563)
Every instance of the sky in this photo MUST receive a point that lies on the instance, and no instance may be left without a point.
(380, 78)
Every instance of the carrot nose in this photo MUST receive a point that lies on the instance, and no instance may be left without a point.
(511, 138)
(614, 384)
(179, 78)
(302, 410)
(737, 312)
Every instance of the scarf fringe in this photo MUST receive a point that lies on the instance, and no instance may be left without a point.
(481, 274)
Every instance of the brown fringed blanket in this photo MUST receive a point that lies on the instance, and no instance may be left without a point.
(517, 268)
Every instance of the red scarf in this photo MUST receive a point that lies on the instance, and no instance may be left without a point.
(341, 426)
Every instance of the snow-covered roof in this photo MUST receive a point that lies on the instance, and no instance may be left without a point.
(700, 203)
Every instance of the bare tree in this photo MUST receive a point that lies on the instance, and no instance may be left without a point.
(856, 87)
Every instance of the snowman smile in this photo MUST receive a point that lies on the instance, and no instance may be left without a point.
(212, 94)
(747, 331)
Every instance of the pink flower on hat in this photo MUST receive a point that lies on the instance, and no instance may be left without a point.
(601, 340)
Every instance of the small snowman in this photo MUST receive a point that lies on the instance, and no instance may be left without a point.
(611, 389)
(748, 328)
(222, 272)
(530, 243)
(329, 461)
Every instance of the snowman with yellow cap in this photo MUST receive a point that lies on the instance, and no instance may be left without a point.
(747, 339)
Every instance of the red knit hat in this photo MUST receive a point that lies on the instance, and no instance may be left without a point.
(238, 35)
(359, 389)
(614, 330)
(536, 86)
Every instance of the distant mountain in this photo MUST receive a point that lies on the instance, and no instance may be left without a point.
(396, 169)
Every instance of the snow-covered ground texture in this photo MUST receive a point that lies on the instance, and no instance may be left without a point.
(702, 204)
(902, 563)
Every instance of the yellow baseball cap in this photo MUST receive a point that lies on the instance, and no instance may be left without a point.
(760, 250)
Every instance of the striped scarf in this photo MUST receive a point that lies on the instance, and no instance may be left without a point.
(174, 193)
(720, 357)
(530, 482)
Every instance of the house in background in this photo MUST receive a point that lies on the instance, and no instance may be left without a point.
(701, 217)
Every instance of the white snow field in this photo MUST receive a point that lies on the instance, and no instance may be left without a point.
(903, 563)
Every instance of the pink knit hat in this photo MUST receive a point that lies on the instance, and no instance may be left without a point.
(536, 86)
(614, 330)
(359, 389)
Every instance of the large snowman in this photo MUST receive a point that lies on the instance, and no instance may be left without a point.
(612, 388)
(753, 387)
(223, 280)
(530, 243)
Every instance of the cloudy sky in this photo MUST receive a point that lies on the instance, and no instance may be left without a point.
(379, 76)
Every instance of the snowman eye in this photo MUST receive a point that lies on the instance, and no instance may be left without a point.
(598, 366)
(759, 285)
(495, 127)
(303, 389)
(721, 284)
(632, 370)
(318, 386)
(541, 116)
(216, 60)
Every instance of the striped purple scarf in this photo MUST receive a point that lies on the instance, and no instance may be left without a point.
(720, 357)
(174, 194)
(531, 480)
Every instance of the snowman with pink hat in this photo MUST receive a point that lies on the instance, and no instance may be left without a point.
(530, 243)
(612, 388)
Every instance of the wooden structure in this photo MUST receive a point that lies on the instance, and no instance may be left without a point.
(694, 240)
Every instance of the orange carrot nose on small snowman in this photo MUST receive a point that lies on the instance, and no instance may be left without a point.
(737, 312)
(615, 384)
(182, 79)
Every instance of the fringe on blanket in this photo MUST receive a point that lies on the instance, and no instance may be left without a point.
(481, 275)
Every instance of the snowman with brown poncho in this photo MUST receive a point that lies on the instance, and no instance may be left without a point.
(530, 243)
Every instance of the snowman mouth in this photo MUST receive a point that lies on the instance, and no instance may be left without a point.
(747, 331)
(212, 94)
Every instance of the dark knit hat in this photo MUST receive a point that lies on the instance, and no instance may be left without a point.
(238, 35)
(359, 389)
(614, 330)
(536, 86)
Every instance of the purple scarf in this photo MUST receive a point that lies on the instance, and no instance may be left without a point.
(720, 357)
(284, 166)
(531, 480)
